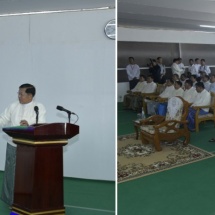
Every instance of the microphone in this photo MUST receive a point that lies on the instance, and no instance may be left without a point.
(67, 111)
(36, 109)
(63, 109)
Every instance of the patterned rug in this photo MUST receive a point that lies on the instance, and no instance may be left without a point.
(136, 160)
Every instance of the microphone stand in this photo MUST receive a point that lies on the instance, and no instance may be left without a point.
(37, 117)
(69, 116)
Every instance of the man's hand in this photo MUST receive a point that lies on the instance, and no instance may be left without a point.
(24, 122)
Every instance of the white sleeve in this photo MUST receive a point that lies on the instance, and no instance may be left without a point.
(5, 117)
(42, 113)
(138, 72)
(129, 73)
(207, 70)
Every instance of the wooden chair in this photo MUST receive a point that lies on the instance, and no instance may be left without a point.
(158, 128)
(207, 117)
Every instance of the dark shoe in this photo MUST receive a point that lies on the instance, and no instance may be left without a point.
(212, 140)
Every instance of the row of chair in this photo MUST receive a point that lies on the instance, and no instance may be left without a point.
(159, 128)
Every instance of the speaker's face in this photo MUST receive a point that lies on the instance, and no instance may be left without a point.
(24, 98)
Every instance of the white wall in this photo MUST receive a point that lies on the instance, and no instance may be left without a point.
(72, 63)
(167, 36)
(122, 89)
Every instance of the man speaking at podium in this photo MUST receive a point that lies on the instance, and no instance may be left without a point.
(23, 112)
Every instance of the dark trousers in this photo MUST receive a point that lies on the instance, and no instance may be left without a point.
(191, 117)
(133, 83)
(9, 175)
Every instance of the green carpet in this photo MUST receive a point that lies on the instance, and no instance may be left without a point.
(125, 118)
(82, 197)
(186, 190)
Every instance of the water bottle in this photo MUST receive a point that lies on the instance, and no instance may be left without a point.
(143, 114)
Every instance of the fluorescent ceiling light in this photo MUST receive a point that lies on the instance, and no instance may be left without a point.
(57, 11)
(207, 26)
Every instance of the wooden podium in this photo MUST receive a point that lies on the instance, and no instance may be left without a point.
(39, 167)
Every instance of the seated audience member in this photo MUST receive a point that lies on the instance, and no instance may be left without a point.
(206, 82)
(155, 71)
(181, 65)
(197, 66)
(193, 78)
(178, 91)
(175, 68)
(204, 69)
(190, 92)
(128, 98)
(202, 98)
(133, 72)
(212, 85)
(175, 77)
(150, 87)
(191, 67)
(167, 93)
(183, 79)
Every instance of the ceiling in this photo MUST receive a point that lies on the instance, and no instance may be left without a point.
(167, 14)
(26, 6)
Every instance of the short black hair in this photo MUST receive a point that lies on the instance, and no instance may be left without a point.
(198, 79)
(196, 59)
(177, 75)
(143, 76)
(194, 76)
(207, 76)
(30, 89)
(171, 80)
(131, 58)
(179, 83)
(189, 82)
(200, 84)
(203, 60)
(150, 76)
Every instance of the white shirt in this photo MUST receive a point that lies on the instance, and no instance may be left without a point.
(17, 112)
(212, 87)
(163, 69)
(181, 66)
(205, 69)
(207, 85)
(183, 82)
(133, 71)
(178, 92)
(150, 88)
(197, 66)
(176, 69)
(202, 99)
(167, 93)
(192, 70)
(139, 87)
(190, 94)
